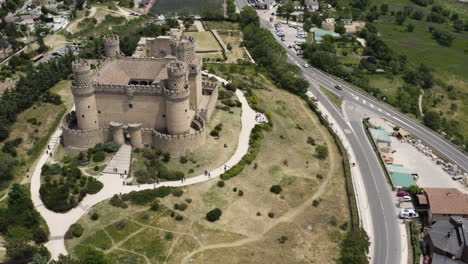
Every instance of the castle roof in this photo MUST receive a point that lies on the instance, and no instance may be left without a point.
(121, 71)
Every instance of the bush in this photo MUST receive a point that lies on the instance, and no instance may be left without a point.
(240, 193)
(93, 186)
(214, 133)
(220, 183)
(166, 156)
(120, 225)
(183, 159)
(96, 168)
(99, 156)
(282, 239)
(76, 230)
(188, 200)
(179, 218)
(147, 154)
(94, 216)
(234, 189)
(147, 196)
(271, 214)
(177, 192)
(154, 206)
(322, 152)
(169, 236)
(214, 215)
(180, 207)
(117, 202)
(111, 147)
(276, 189)
(40, 235)
(311, 141)
(315, 203)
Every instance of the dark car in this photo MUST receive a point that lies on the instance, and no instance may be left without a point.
(402, 193)
(338, 87)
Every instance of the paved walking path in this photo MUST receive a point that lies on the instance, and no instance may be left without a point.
(120, 163)
(198, 24)
(59, 223)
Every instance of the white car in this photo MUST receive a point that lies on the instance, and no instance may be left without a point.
(406, 198)
(408, 214)
(306, 65)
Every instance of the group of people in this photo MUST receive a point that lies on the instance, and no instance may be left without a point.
(260, 118)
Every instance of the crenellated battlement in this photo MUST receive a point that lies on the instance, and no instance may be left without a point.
(147, 89)
(80, 66)
(111, 46)
(176, 69)
(210, 85)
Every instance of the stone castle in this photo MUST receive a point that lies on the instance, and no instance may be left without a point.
(154, 99)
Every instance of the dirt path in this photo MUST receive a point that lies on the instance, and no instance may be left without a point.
(73, 25)
(136, 253)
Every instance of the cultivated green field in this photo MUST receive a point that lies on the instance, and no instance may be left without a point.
(205, 41)
(195, 6)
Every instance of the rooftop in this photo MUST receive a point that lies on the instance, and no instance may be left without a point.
(447, 201)
(379, 134)
(121, 71)
(401, 176)
(449, 235)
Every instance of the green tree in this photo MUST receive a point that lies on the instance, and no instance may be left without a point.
(6, 166)
(410, 27)
(288, 8)
(384, 9)
(355, 247)
(93, 256)
(414, 189)
(458, 25)
(432, 120)
(340, 28)
(214, 215)
(400, 18)
(276, 189)
(248, 16)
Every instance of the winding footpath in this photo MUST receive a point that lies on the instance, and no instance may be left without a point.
(59, 223)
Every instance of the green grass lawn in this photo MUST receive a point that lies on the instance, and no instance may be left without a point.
(221, 25)
(195, 6)
(205, 41)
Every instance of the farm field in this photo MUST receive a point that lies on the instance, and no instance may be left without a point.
(303, 224)
(195, 6)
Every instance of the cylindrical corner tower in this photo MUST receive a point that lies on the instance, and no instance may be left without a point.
(184, 49)
(111, 46)
(83, 95)
(177, 99)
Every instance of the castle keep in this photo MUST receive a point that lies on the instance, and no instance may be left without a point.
(155, 98)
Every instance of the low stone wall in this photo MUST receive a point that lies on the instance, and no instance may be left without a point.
(207, 111)
(80, 140)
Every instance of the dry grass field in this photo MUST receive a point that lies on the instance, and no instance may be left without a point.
(256, 227)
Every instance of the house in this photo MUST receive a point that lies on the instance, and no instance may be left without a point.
(347, 21)
(445, 202)
(312, 5)
(330, 20)
(447, 241)
(401, 176)
(320, 33)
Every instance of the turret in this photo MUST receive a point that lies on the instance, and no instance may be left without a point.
(83, 95)
(111, 46)
(184, 48)
(177, 99)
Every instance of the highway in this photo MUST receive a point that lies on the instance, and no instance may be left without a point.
(387, 237)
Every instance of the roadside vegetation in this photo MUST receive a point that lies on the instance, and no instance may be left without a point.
(412, 50)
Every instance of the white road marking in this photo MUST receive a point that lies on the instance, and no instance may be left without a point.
(380, 110)
(371, 105)
(348, 131)
(388, 114)
(363, 101)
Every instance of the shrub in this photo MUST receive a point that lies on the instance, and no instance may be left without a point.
(177, 192)
(219, 127)
(40, 235)
(117, 202)
(76, 230)
(120, 225)
(179, 218)
(169, 236)
(276, 189)
(154, 206)
(166, 156)
(333, 221)
(220, 183)
(125, 197)
(180, 207)
(191, 171)
(282, 239)
(93, 186)
(94, 216)
(240, 193)
(271, 214)
(96, 168)
(148, 154)
(99, 156)
(315, 203)
(214, 133)
(344, 226)
(111, 147)
(234, 189)
(188, 200)
(322, 152)
(311, 141)
(214, 215)
(183, 159)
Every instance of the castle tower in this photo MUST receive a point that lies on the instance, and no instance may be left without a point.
(111, 46)
(177, 99)
(184, 48)
(83, 95)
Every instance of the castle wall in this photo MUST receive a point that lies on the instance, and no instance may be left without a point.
(86, 112)
(81, 140)
(206, 111)
(179, 145)
(148, 110)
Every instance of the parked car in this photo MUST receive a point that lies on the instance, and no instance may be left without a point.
(306, 65)
(408, 213)
(403, 193)
(283, 39)
(406, 198)
(338, 87)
